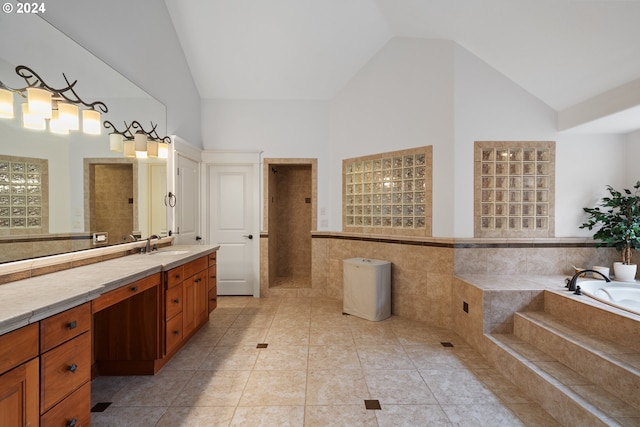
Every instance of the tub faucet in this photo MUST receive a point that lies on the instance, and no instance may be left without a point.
(148, 247)
(571, 283)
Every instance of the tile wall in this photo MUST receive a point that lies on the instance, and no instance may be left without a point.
(424, 270)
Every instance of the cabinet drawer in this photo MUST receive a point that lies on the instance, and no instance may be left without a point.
(18, 346)
(64, 369)
(174, 332)
(174, 276)
(212, 258)
(195, 266)
(125, 292)
(212, 277)
(63, 326)
(213, 299)
(75, 407)
(174, 301)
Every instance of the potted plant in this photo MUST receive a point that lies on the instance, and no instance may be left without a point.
(618, 219)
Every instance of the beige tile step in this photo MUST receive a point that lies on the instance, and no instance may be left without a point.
(569, 397)
(613, 367)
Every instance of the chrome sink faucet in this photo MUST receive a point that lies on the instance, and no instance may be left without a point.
(148, 247)
(571, 283)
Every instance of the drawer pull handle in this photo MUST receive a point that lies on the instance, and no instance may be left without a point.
(72, 422)
(73, 368)
(176, 332)
(134, 289)
(177, 276)
(176, 301)
(72, 325)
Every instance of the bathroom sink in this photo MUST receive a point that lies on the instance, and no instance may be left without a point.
(169, 252)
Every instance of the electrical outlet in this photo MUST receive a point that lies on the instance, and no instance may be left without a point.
(100, 238)
(465, 306)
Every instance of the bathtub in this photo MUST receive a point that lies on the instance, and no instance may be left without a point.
(623, 295)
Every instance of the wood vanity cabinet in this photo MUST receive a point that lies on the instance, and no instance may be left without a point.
(65, 368)
(19, 377)
(173, 309)
(212, 283)
(186, 302)
(127, 329)
(53, 389)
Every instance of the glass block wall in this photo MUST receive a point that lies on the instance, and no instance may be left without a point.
(23, 199)
(388, 193)
(514, 189)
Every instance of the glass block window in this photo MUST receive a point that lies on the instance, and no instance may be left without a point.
(23, 200)
(514, 189)
(388, 193)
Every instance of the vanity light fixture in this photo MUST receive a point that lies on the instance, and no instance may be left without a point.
(134, 141)
(6, 104)
(43, 102)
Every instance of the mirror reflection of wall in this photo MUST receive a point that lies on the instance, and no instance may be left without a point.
(70, 221)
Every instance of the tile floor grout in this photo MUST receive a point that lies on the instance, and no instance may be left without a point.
(319, 374)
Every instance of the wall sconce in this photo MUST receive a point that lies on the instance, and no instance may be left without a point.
(134, 141)
(59, 106)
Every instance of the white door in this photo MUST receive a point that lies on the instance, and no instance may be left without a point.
(187, 207)
(232, 210)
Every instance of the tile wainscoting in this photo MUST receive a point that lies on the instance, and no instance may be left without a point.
(423, 269)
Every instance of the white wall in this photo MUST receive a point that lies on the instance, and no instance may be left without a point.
(402, 98)
(281, 129)
(138, 40)
(417, 92)
(633, 158)
(491, 107)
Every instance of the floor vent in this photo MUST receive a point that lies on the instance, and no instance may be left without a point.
(100, 407)
(372, 404)
(446, 344)
(262, 345)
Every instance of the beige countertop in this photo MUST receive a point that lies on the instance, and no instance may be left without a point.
(29, 300)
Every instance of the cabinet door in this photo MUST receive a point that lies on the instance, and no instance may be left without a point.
(19, 396)
(189, 305)
(202, 299)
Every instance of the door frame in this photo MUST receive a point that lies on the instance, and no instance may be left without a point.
(235, 158)
(180, 147)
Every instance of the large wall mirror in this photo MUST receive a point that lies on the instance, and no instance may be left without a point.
(86, 188)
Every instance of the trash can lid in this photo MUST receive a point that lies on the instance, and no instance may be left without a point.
(366, 261)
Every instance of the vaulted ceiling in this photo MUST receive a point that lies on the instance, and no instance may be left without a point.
(562, 51)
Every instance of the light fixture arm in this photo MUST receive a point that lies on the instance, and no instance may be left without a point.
(130, 130)
(33, 80)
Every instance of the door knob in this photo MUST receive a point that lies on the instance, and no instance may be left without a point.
(249, 236)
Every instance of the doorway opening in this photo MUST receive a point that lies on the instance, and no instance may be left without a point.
(110, 199)
(290, 217)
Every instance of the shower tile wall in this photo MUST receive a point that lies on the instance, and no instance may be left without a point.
(292, 208)
(112, 211)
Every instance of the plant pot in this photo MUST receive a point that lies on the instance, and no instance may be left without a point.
(624, 272)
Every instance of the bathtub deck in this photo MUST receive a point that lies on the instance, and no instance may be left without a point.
(577, 357)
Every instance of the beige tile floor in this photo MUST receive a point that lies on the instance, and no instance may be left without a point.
(318, 369)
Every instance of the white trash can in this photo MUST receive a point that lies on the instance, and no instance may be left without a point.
(367, 288)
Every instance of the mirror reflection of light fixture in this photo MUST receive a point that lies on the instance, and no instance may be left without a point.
(6, 104)
(134, 141)
(56, 125)
(31, 120)
(59, 106)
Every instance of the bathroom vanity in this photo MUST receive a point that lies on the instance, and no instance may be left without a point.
(125, 316)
